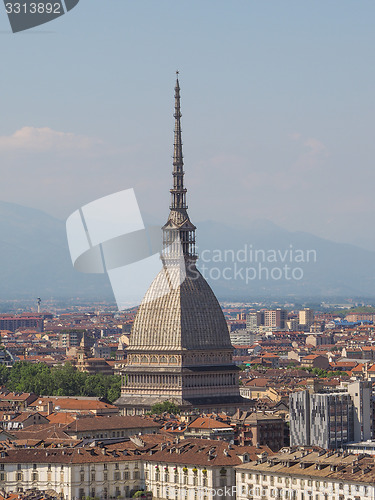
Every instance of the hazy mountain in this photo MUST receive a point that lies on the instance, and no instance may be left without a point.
(328, 269)
(35, 261)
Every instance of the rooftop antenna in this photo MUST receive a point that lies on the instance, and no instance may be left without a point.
(38, 301)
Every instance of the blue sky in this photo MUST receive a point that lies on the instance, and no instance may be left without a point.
(277, 103)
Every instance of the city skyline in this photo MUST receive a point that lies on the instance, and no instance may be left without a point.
(187, 300)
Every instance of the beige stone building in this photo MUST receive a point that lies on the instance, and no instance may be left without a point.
(187, 469)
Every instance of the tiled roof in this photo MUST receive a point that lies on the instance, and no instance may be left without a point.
(15, 396)
(207, 423)
(113, 422)
(67, 455)
(42, 432)
(24, 416)
(335, 466)
(257, 382)
(61, 418)
(205, 452)
(184, 315)
(74, 403)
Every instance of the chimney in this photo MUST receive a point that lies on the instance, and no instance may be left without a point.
(49, 408)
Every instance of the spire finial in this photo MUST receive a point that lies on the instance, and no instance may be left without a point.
(178, 191)
(178, 222)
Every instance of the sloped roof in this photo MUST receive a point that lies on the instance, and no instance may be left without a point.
(206, 452)
(115, 422)
(61, 418)
(257, 382)
(179, 312)
(208, 423)
(70, 403)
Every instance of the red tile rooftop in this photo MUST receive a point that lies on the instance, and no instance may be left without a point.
(343, 364)
(257, 382)
(358, 368)
(61, 418)
(73, 403)
(115, 422)
(207, 423)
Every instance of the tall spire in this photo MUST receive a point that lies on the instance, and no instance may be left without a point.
(178, 191)
(178, 232)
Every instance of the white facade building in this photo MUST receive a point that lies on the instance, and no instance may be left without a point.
(302, 475)
(189, 469)
(72, 473)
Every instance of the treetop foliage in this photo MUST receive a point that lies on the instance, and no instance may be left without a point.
(59, 381)
(165, 407)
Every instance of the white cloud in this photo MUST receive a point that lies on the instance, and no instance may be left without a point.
(45, 139)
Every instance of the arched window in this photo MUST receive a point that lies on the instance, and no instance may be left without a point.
(173, 360)
(163, 359)
(144, 359)
(154, 359)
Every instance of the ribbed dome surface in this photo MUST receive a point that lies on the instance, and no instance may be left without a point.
(175, 315)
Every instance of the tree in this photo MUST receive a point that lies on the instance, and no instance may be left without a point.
(114, 391)
(165, 407)
(4, 374)
(59, 381)
(143, 494)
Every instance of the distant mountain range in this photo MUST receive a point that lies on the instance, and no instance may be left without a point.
(322, 268)
(35, 261)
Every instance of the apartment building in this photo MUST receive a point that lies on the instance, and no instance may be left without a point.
(331, 419)
(270, 320)
(13, 322)
(242, 337)
(72, 473)
(254, 320)
(197, 469)
(187, 469)
(306, 318)
(276, 319)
